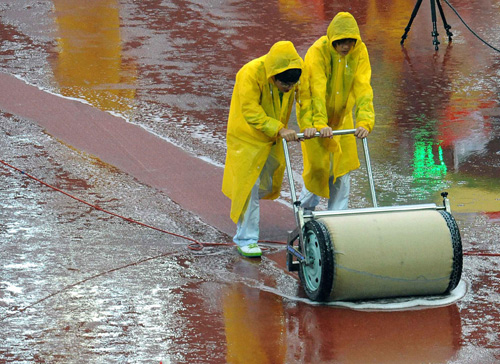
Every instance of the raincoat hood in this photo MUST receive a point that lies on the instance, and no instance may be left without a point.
(281, 57)
(343, 26)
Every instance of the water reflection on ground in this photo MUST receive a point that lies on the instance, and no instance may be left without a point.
(170, 67)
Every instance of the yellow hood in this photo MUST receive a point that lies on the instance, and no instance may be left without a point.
(343, 26)
(281, 57)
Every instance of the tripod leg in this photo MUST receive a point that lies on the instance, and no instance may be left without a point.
(447, 27)
(434, 33)
(413, 14)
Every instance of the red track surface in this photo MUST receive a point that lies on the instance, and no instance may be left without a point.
(189, 181)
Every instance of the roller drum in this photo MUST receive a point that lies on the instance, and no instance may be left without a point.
(383, 254)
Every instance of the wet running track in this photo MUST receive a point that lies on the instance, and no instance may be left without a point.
(123, 104)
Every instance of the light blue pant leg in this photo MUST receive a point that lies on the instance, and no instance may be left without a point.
(308, 200)
(247, 228)
(339, 193)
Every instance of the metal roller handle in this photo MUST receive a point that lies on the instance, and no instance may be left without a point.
(369, 172)
(335, 132)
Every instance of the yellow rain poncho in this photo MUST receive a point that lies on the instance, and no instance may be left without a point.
(337, 84)
(257, 113)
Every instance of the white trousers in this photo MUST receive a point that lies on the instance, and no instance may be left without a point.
(339, 195)
(247, 228)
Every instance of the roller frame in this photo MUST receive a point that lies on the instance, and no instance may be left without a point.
(295, 242)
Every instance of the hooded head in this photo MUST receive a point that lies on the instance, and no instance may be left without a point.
(281, 57)
(343, 26)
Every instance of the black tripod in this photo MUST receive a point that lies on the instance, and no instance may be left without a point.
(434, 33)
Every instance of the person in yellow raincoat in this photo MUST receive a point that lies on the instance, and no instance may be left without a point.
(340, 73)
(262, 100)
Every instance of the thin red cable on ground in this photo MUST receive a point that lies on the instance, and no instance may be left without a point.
(195, 244)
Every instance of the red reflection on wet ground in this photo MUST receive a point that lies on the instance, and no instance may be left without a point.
(260, 327)
(493, 215)
(346, 336)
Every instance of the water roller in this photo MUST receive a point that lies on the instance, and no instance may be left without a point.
(375, 252)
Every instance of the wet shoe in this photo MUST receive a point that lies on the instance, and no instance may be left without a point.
(250, 250)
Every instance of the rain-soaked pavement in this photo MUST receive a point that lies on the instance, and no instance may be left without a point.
(78, 285)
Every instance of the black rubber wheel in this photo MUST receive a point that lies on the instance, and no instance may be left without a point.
(456, 241)
(317, 275)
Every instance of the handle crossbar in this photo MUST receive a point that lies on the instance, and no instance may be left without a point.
(335, 132)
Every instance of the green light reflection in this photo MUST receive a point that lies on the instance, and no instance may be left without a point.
(429, 168)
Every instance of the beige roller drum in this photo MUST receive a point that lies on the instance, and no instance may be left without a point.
(382, 254)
